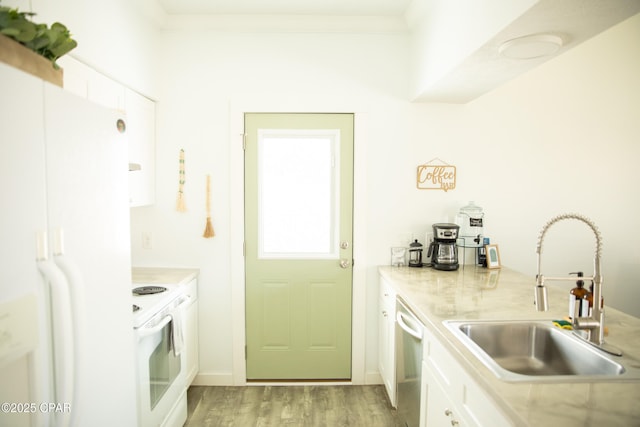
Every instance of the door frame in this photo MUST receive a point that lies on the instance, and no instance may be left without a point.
(236, 245)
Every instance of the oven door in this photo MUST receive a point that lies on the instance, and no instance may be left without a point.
(161, 372)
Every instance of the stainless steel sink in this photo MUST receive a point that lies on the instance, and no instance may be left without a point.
(537, 351)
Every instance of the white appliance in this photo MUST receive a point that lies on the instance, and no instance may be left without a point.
(158, 324)
(65, 252)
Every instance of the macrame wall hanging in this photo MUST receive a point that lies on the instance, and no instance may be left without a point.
(208, 230)
(180, 204)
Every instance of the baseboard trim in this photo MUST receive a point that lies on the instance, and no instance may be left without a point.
(373, 377)
(209, 379)
(226, 379)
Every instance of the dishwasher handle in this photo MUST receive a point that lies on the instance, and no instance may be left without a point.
(409, 325)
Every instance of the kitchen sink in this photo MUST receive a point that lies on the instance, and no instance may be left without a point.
(538, 351)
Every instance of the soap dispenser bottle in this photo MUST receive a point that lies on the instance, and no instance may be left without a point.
(576, 296)
(587, 302)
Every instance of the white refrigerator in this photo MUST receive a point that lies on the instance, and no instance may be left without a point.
(67, 355)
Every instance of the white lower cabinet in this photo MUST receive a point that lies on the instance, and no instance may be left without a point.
(437, 409)
(191, 332)
(386, 338)
(450, 397)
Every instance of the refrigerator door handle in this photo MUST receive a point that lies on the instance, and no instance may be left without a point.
(76, 287)
(77, 301)
(62, 333)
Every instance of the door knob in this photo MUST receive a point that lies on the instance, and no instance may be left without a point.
(345, 263)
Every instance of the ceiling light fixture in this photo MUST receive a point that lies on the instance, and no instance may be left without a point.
(531, 46)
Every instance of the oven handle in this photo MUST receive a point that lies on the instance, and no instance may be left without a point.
(145, 332)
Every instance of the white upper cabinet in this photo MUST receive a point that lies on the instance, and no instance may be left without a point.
(104, 91)
(139, 117)
(140, 129)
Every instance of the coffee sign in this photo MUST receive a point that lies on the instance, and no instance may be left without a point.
(436, 175)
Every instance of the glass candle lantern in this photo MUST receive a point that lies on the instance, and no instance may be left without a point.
(415, 254)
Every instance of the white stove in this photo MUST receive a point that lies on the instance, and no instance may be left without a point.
(159, 331)
(151, 299)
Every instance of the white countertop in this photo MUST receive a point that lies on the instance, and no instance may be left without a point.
(478, 293)
(161, 275)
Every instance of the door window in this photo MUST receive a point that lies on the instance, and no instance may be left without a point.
(297, 194)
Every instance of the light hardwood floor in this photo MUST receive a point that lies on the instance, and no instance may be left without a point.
(304, 406)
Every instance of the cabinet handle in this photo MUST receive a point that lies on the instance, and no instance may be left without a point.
(449, 413)
(384, 313)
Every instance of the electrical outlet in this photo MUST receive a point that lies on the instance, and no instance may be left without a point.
(147, 241)
(429, 238)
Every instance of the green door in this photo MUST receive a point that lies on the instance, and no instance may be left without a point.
(298, 253)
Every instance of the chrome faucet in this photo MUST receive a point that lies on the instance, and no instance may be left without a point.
(594, 324)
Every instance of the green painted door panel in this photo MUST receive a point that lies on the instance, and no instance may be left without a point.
(298, 297)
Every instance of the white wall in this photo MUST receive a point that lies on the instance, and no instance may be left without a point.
(209, 79)
(115, 37)
(561, 138)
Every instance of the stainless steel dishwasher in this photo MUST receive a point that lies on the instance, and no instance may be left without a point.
(409, 333)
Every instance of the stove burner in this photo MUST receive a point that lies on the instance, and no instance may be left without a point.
(135, 308)
(148, 290)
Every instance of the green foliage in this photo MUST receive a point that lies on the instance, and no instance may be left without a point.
(52, 43)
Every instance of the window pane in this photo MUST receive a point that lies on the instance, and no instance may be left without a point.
(297, 194)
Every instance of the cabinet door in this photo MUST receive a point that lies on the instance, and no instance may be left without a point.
(191, 340)
(386, 350)
(76, 76)
(106, 92)
(140, 123)
(191, 331)
(386, 339)
(141, 135)
(479, 407)
(437, 409)
(88, 83)
(472, 403)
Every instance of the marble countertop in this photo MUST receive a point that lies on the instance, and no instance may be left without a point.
(162, 275)
(475, 293)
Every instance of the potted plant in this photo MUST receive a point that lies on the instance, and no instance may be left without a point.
(49, 43)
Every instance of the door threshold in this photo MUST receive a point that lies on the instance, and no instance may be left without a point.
(289, 382)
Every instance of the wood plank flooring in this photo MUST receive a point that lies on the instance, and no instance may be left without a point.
(295, 406)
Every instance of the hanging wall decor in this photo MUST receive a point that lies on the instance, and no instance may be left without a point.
(436, 175)
(208, 229)
(180, 204)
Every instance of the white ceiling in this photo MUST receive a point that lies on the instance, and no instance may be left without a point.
(287, 7)
(576, 21)
(474, 75)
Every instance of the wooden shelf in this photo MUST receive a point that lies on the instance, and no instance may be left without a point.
(22, 58)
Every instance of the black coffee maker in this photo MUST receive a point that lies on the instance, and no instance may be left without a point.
(443, 250)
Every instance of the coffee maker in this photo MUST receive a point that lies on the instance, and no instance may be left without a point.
(443, 250)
